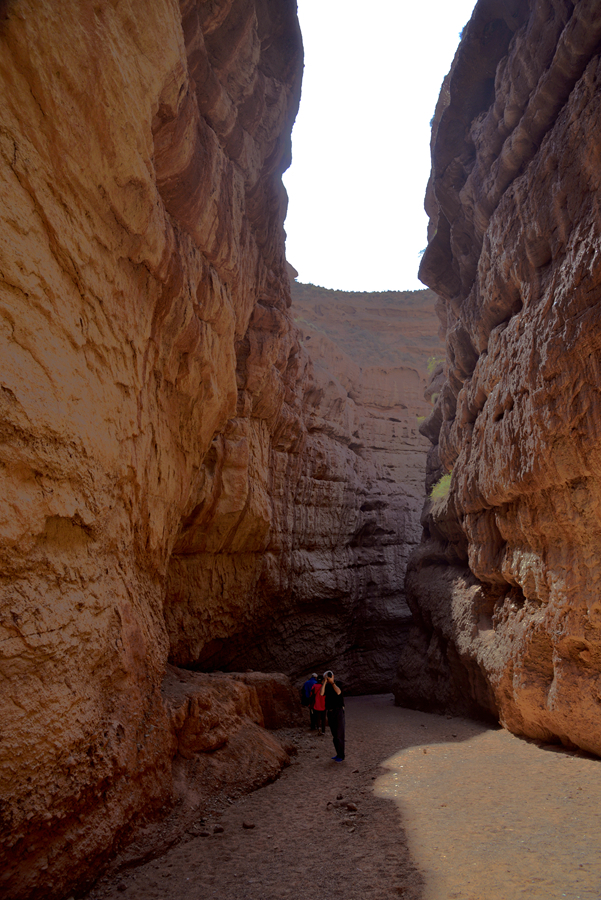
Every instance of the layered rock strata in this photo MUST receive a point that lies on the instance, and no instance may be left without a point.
(505, 587)
(294, 556)
(371, 354)
(141, 149)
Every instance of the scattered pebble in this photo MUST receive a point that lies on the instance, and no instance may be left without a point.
(291, 809)
(379, 854)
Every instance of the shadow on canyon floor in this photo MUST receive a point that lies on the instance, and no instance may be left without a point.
(476, 813)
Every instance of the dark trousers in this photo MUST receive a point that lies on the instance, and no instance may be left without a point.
(312, 720)
(336, 722)
(320, 720)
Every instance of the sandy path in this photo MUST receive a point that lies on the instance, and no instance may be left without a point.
(476, 814)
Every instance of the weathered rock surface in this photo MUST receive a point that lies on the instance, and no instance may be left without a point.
(294, 558)
(505, 587)
(218, 726)
(218, 748)
(181, 478)
(141, 205)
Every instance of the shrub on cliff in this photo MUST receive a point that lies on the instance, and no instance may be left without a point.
(441, 489)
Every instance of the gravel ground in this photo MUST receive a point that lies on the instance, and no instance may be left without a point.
(424, 807)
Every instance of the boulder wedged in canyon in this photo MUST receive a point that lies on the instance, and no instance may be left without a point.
(294, 557)
(504, 588)
(141, 152)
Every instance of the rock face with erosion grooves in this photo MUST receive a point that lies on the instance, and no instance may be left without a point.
(180, 480)
(294, 558)
(505, 587)
(141, 149)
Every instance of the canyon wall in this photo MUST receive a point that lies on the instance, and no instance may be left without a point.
(505, 586)
(141, 152)
(184, 482)
(295, 555)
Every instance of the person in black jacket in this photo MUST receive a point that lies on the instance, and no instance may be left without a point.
(335, 710)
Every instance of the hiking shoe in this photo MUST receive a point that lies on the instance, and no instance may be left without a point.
(338, 758)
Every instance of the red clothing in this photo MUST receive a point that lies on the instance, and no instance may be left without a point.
(319, 702)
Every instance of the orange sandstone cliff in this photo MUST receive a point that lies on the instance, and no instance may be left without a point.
(184, 482)
(141, 149)
(505, 586)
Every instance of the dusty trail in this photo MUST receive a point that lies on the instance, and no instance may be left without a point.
(445, 808)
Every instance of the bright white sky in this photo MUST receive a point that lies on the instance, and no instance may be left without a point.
(361, 142)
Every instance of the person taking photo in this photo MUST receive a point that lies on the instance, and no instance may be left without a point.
(334, 698)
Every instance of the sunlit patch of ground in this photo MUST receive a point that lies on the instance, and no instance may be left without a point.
(499, 818)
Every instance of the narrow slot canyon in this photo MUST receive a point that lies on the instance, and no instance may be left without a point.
(217, 479)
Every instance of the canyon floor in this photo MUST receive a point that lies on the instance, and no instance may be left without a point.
(441, 808)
